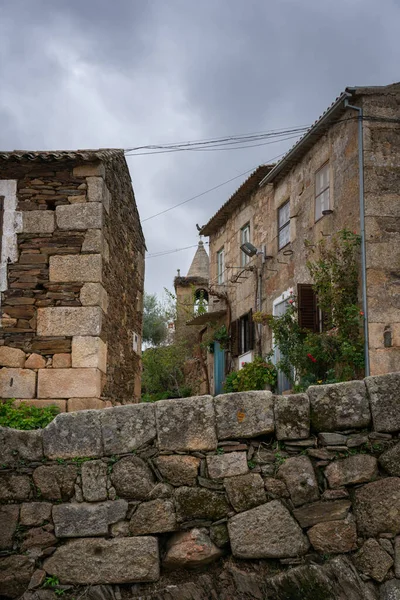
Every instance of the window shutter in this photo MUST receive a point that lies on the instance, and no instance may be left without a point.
(235, 335)
(250, 325)
(307, 307)
(1, 221)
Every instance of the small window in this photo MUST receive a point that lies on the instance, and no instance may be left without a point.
(135, 342)
(220, 266)
(321, 191)
(284, 225)
(245, 237)
(246, 333)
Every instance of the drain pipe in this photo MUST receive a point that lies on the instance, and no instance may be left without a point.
(362, 228)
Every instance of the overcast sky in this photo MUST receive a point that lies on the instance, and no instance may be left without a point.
(124, 73)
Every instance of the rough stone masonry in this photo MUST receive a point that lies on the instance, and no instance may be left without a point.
(71, 279)
(245, 495)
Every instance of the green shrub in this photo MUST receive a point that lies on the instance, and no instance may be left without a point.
(252, 376)
(163, 374)
(25, 416)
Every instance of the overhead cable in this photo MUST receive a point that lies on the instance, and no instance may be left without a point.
(210, 189)
(165, 252)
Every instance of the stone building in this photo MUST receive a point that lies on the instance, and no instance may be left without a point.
(72, 270)
(311, 193)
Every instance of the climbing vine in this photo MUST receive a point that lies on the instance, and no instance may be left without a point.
(336, 353)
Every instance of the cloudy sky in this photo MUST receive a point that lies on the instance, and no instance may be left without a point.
(127, 73)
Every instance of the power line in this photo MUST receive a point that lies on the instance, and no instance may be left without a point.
(215, 148)
(227, 143)
(232, 142)
(209, 190)
(189, 146)
(165, 252)
(220, 139)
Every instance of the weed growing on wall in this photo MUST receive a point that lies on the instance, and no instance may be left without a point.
(25, 416)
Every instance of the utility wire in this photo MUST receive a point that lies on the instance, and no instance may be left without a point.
(207, 140)
(232, 139)
(165, 252)
(187, 146)
(216, 148)
(232, 142)
(209, 190)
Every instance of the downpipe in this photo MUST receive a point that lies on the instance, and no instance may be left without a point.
(362, 229)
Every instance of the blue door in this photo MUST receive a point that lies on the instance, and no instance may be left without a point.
(219, 368)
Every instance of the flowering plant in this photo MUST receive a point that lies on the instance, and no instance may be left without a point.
(252, 376)
(336, 353)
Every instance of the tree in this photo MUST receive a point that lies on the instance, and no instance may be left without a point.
(163, 373)
(155, 319)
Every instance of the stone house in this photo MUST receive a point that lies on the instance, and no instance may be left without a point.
(72, 270)
(311, 193)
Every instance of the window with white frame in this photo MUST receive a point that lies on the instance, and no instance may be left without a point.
(321, 191)
(220, 266)
(284, 225)
(245, 237)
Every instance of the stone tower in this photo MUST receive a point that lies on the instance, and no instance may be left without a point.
(189, 289)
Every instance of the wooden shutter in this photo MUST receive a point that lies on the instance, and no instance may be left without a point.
(250, 325)
(307, 307)
(1, 222)
(235, 337)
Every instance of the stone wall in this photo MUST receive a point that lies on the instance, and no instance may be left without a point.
(71, 280)
(382, 224)
(280, 497)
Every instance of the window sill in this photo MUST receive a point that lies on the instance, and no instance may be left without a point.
(285, 247)
(247, 357)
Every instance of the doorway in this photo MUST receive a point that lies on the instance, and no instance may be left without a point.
(219, 368)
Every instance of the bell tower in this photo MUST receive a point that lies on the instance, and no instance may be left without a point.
(191, 291)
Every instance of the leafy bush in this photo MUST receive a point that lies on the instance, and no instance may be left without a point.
(252, 376)
(25, 416)
(163, 373)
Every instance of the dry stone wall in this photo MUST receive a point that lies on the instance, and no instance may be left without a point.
(279, 497)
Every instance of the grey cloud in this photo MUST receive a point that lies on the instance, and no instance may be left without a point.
(96, 73)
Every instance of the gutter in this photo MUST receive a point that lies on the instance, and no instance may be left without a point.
(362, 228)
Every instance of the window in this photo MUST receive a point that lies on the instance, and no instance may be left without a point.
(321, 191)
(220, 266)
(245, 237)
(242, 334)
(284, 225)
(135, 342)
